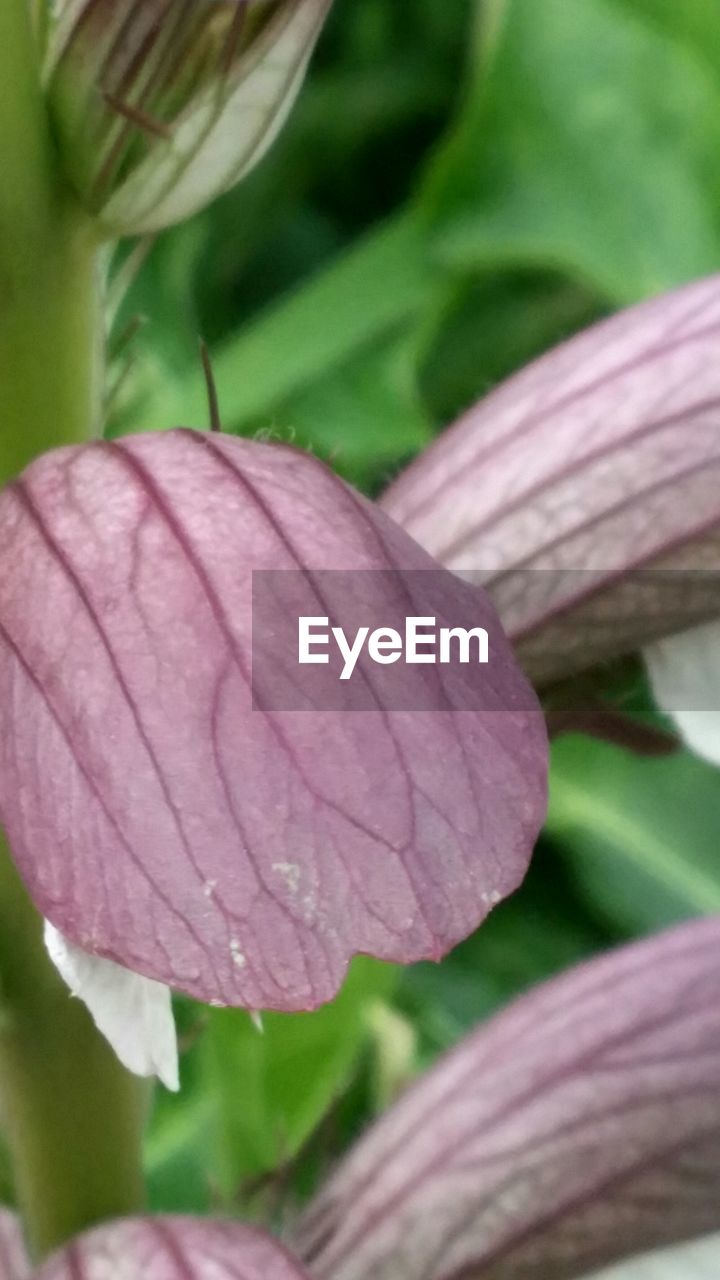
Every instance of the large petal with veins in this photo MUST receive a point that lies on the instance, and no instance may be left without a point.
(582, 490)
(172, 1249)
(580, 1126)
(162, 820)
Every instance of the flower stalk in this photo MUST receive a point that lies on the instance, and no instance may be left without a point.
(49, 296)
(72, 1115)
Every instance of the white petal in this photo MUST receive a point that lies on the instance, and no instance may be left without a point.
(699, 1260)
(133, 1013)
(684, 673)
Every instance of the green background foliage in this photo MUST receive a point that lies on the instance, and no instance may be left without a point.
(461, 186)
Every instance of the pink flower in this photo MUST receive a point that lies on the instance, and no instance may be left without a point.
(168, 1249)
(577, 1130)
(178, 827)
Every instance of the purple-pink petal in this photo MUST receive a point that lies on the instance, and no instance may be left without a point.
(14, 1264)
(566, 484)
(580, 1126)
(172, 1249)
(162, 820)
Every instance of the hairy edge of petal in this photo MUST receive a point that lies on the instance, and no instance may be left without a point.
(684, 673)
(171, 816)
(133, 1013)
(582, 490)
(172, 1248)
(580, 1126)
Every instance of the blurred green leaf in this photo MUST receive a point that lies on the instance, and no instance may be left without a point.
(270, 1089)
(176, 1150)
(542, 929)
(395, 1058)
(695, 23)
(489, 326)
(590, 145)
(361, 297)
(366, 418)
(641, 835)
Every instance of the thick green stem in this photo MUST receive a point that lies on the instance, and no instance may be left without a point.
(24, 135)
(72, 1116)
(50, 323)
(50, 327)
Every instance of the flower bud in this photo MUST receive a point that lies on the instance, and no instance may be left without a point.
(161, 105)
(584, 495)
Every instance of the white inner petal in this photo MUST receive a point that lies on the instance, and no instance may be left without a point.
(698, 1260)
(133, 1013)
(684, 673)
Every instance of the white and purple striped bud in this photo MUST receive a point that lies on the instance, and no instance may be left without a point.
(159, 106)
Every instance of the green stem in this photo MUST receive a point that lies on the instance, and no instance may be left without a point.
(24, 134)
(49, 347)
(50, 318)
(72, 1116)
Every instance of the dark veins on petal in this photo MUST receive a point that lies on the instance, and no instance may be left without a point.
(162, 818)
(578, 1127)
(568, 483)
(172, 1249)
